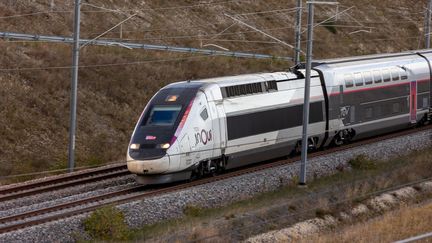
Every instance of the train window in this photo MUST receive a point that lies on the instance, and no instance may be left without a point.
(396, 108)
(204, 114)
(367, 77)
(386, 75)
(403, 75)
(271, 86)
(171, 98)
(163, 115)
(377, 76)
(349, 81)
(358, 79)
(368, 113)
(395, 74)
(377, 111)
(425, 102)
(243, 89)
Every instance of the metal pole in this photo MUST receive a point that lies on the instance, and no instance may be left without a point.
(428, 24)
(307, 92)
(74, 86)
(298, 32)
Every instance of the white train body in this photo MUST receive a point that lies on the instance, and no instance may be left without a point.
(198, 127)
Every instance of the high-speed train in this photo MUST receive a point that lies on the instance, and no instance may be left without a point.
(192, 128)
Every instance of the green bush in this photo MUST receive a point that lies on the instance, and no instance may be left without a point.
(362, 162)
(107, 223)
(330, 26)
(321, 213)
(192, 211)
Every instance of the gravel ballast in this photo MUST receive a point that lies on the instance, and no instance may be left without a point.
(224, 192)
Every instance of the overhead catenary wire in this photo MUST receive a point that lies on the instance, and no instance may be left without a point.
(142, 46)
(202, 4)
(123, 11)
(215, 40)
(111, 64)
(33, 14)
(268, 11)
(147, 61)
(252, 31)
(229, 33)
(251, 41)
(112, 10)
(107, 10)
(101, 65)
(105, 32)
(246, 41)
(261, 32)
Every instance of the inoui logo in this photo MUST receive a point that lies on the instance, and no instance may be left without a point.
(203, 137)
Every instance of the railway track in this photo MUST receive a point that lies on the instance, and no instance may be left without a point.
(65, 210)
(61, 182)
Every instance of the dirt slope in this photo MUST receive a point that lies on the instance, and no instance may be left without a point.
(115, 83)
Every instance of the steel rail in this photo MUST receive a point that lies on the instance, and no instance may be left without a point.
(139, 196)
(62, 179)
(37, 190)
(67, 205)
(415, 238)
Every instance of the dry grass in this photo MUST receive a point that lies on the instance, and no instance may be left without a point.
(397, 225)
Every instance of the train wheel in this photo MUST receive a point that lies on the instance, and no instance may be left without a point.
(343, 136)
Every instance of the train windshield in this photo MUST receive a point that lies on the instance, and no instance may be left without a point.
(163, 115)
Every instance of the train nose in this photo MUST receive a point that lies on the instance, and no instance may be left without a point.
(145, 167)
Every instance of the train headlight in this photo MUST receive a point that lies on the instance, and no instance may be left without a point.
(134, 146)
(164, 146)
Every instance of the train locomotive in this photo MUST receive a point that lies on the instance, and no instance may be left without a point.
(193, 128)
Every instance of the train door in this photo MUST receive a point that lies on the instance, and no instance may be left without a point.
(185, 152)
(221, 119)
(203, 140)
(413, 101)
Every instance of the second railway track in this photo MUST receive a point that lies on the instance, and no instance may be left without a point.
(40, 216)
(61, 182)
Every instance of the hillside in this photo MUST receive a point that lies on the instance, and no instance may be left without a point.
(115, 83)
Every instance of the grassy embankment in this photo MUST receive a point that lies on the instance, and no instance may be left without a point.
(290, 204)
(400, 224)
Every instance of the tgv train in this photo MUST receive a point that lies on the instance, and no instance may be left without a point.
(193, 128)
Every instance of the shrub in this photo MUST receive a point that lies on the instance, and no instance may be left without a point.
(192, 211)
(107, 223)
(362, 162)
(321, 213)
(330, 26)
